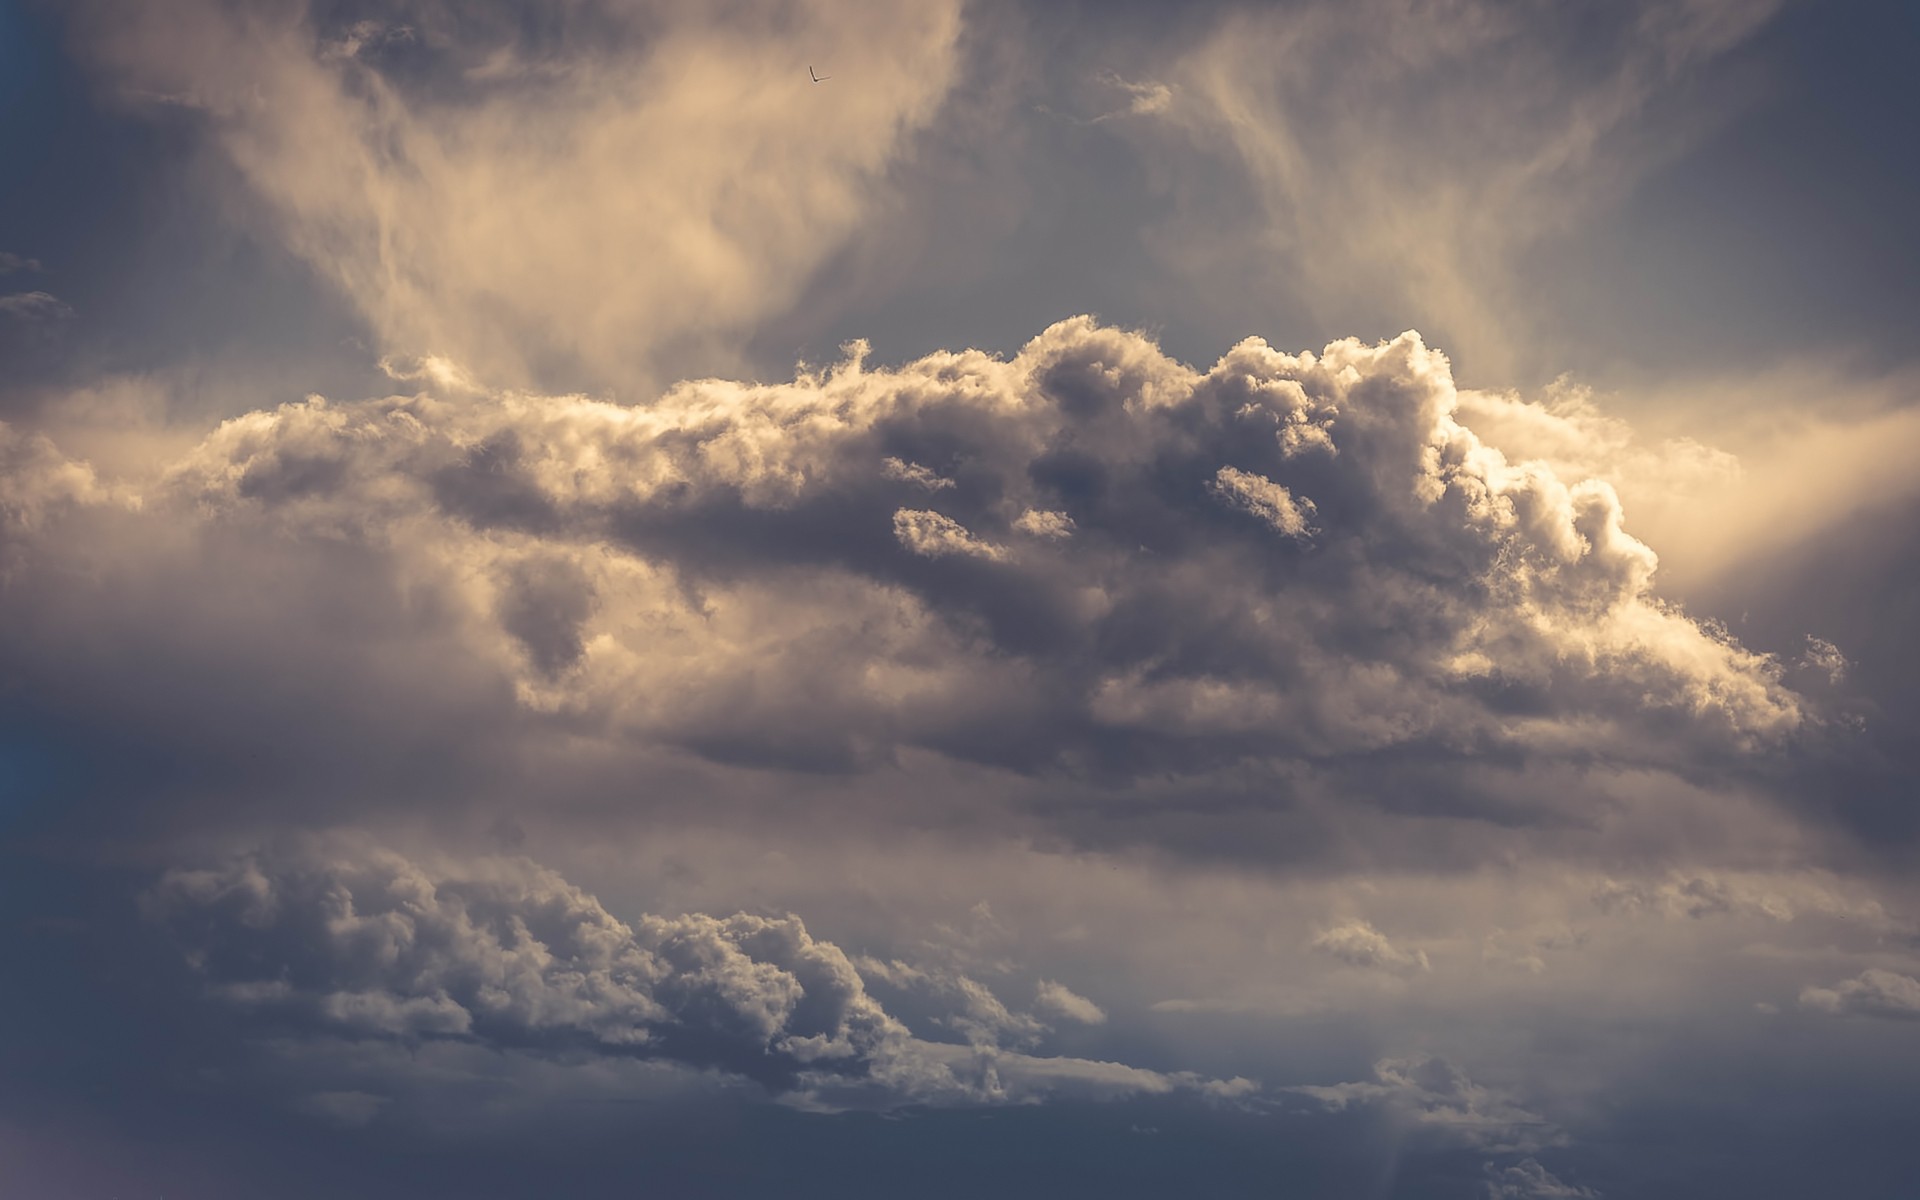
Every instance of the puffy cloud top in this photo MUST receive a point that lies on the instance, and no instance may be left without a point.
(511, 953)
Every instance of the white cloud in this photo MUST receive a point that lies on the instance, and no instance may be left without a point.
(935, 536)
(1265, 499)
(1875, 992)
(1405, 156)
(730, 570)
(1822, 655)
(1046, 524)
(1068, 1005)
(1359, 944)
(914, 473)
(1145, 98)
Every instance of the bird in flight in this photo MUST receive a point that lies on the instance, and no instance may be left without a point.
(817, 78)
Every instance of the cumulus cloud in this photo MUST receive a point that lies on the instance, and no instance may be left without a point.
(10, 262)
(348, 940)
(1045, 524)
(1119, 581)
(1359, 944)
(1875, 992)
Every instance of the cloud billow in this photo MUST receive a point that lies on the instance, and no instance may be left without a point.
(1125, 565)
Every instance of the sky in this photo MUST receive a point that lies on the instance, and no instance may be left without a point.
(1302, 599)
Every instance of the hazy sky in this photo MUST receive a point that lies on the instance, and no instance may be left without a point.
(1307, 599)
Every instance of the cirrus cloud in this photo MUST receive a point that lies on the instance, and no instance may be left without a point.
(573, 194)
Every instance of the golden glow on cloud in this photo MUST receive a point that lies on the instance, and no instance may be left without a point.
(658, 173)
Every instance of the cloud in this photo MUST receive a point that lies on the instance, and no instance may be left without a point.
(34, 306)
(1522, 577)
(1875, 992)
(1434, 1097)
(10, 262)
(340, 938)
(570, 196)
(1119, 583)
(1145, 98)
(935, 536)
(1359, 944)
(1822, 655)
(1068, 1005)
(1265, 499)
(1403, 157)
